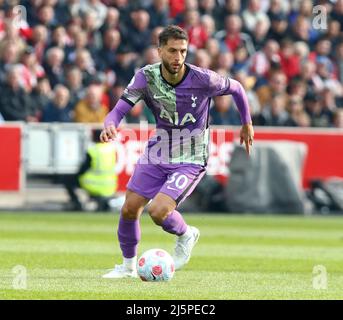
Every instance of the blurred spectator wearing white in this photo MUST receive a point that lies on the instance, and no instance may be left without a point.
(96, 6)
(253, 14)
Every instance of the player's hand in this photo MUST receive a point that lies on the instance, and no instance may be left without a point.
(247, 136)
(108, 134)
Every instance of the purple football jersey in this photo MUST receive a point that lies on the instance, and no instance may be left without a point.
(181, 111)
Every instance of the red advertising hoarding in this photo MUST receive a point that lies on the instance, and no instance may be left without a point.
(10, 157)
(324, 158)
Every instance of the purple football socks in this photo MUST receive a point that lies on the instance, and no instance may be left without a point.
(129, 231)
(174, 224)
(129, 234)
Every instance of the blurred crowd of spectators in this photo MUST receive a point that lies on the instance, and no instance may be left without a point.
(70, 60)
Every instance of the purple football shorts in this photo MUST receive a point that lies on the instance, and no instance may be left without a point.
(175, 180)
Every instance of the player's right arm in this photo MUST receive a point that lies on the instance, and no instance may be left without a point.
(132, 94)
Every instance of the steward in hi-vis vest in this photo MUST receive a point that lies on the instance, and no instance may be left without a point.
(100, 179)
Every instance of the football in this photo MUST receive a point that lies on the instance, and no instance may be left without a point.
(155, 265)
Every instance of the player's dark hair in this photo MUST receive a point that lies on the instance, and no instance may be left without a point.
(172, 32)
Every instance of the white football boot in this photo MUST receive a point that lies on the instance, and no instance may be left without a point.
(120, 271)
(184, 246)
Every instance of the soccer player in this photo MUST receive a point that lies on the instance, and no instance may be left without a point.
(179, 96)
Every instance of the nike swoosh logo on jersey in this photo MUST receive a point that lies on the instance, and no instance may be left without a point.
(158, 97)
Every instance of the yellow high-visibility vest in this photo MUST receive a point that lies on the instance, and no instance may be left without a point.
(101, 179)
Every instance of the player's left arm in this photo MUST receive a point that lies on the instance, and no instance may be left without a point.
(218, 86)
(241, 100)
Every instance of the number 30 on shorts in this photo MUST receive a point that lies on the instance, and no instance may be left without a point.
(179, 180)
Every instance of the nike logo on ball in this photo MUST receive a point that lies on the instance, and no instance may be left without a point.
(158, 97)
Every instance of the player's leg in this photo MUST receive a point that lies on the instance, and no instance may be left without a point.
(163, 211)
(144, 184)
(129, 232)
(129, 235)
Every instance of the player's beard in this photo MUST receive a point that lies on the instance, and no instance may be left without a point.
(170, 69)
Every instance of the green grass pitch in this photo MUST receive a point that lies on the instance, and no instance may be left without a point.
(237, 257)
